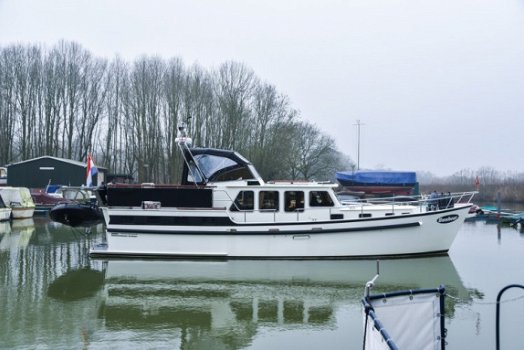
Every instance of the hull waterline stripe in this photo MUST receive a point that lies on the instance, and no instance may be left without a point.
(222, 221)
(271, 232)
(103, 253)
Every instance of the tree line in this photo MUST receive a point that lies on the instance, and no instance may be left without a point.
(66, 102)
(489, 182)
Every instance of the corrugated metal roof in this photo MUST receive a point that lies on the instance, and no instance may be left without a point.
(69, 161)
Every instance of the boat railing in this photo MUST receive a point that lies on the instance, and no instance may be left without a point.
(423, 202)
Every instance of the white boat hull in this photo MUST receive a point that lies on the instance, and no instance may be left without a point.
(5, 214)
(22, 213)
(406, 235)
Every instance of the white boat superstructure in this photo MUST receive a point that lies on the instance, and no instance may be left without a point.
(5, 212)
(19, 200)
(225, 209)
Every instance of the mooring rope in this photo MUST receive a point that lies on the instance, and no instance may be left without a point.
(486, 302)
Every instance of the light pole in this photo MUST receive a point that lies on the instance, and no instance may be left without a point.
(358, 124)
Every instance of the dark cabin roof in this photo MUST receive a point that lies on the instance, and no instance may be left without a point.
(214, 169)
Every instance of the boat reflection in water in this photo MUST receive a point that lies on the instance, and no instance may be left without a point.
(226, 303)
(16, 234)
(5, 234)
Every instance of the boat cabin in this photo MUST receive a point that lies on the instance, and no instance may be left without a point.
(231, 173)
(222, 179)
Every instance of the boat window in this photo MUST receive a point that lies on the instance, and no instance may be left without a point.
(218, 168)
(268, 200)
(193, 175)
(245, 201)
(320, 199)
(294, 201)
(211, 164)
(235, 174)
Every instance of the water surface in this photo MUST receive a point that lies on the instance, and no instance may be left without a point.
(52, 295)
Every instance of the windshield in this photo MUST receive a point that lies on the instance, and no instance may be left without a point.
(214, 165)
(210, 164)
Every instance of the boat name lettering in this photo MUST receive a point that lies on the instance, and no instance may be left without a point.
(447, 219)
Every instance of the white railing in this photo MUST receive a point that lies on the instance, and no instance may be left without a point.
(424, 203)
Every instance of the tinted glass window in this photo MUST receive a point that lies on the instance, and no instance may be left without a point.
(268, 200)
(293, 201)
(320, 199)
(244, 201)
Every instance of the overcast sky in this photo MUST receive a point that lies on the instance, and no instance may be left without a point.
(438, 85)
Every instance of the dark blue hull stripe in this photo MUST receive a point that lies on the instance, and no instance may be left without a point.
(270, 231)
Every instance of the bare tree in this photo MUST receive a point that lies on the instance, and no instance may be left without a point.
(65, 102)
(7, 105)
(174, 89)
(92, 102)
(144, 108)
(314, 154)
(234, 88)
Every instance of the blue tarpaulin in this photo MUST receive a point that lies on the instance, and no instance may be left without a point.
(368, 177)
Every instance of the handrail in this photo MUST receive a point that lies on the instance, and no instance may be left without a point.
(497, 332)
(419, 200)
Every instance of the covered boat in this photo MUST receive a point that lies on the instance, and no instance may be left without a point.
(223, 208)
(19, 200)
(381, 182)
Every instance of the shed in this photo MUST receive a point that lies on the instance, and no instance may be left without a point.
(41, 171)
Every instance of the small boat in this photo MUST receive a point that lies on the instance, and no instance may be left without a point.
(513, 219)
(5, 213)
(76, 214)
(19, 200)
(492, 214)
(224, 209)
(45, 200)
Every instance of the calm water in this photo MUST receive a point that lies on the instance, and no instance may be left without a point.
(52, 295)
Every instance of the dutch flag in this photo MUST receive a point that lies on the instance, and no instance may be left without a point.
(91, 170)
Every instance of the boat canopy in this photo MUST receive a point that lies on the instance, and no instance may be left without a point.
(20, 195)
(368, 177)
(215, 165)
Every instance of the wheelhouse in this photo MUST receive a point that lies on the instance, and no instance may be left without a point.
(205, 165)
